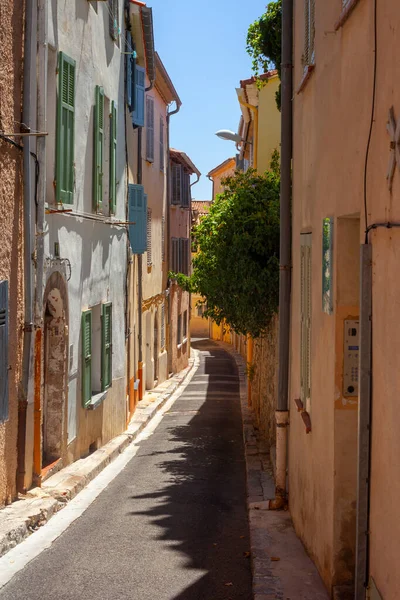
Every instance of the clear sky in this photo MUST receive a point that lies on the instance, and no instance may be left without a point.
(203, 48)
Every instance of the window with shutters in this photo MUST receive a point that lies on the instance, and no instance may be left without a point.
(4, 358)
(183, 261)
(309, 32)
(179, 331)
(98, 146)
(175, 255)
(150, 128)
(96, 353)
(176, 183)
(305, 319)
(113, 160)
(86, 357)
(149, 255)
(162, 326)
(327, 265)
(65, 130)
(162, 157)
(113, 19)
(106, 346)
(130, 73)
(138, 95)
(137, 200)
(185, 190)
(163, 238)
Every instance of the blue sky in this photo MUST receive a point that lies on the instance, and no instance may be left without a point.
(203, 47)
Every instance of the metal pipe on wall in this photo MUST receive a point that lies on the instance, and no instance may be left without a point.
(29, 93)
(282, 407)
(140, 277)
(364, 423)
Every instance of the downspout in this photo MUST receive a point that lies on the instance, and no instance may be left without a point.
(282, 407)
(29, 92)
(140, 278)
(190, 254)
(167, 254)
(213, 186)
(250, 342)
(40, 228)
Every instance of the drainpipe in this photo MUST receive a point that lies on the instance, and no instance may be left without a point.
(190, 254)
(168, 332)
(29, 92)
(213, 185)
(282, 408)
(140, 277)
(250, 342)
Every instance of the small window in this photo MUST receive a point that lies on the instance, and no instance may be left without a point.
(179, 331)
(176, 179)
(185, 316)
(150, 129)
(309, 32)
(185, 199)
(327, 265)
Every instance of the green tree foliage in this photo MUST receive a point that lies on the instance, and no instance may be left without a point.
(237, 267)
(264, 42)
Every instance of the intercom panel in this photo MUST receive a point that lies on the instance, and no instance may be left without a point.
(351, 356)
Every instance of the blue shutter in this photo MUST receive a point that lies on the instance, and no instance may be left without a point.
(3, 350)
(138, 113)
(138, 218)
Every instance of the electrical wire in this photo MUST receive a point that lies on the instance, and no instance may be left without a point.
(371, 122)
(10, 141)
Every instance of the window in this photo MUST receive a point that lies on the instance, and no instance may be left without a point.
(180, 186)
(175, 255)
(162, 326)
(150, 129)
(161, 144)
(184, 256)
(327, 267)
(65, 130)
(148, 233)
(185, 316)
(113, 12)
(113, 159)
(179, 331)
(137, 218)
(4, 350)
(98, 146)
(309, 33)
(96, 351)
(305, 320)
(185, 201)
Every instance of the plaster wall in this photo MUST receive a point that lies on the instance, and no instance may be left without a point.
(11, 230)
(94, 250)
(332, 117)
(227, 171)
(269, 124)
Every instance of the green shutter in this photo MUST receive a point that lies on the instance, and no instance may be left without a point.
(106, 346)
(86, 357)
(113, 158)
(98, 141)
(65, 130)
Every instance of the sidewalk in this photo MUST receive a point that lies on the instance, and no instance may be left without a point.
(31, 511)
(280, 565)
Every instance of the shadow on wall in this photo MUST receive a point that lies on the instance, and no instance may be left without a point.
(199, 510)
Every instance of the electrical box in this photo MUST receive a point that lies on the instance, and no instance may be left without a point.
(351, 356)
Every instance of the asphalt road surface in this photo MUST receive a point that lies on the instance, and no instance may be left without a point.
(173, 524)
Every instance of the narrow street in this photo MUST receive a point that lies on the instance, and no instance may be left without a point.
(173, 524)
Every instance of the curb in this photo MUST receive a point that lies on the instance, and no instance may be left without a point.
(24, 516)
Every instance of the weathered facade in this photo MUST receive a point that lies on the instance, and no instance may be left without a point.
(11, 243)
(346, 73)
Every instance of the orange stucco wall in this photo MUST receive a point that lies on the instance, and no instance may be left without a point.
(11, 246)
(331, 125)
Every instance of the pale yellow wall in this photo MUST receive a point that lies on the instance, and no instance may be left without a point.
(269, 124)
(226, 171)
(331, 124)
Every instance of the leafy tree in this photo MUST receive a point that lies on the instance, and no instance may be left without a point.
(237, 267)
(264, 42)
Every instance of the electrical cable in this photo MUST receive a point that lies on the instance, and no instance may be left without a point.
(10, 141)
(371, 122)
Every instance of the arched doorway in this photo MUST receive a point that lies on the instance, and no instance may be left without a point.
(55, 371)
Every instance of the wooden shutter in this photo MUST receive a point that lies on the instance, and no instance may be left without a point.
(113, 158)
(65, 130)
(138, 218)
(305, 320)
(185, 189)
(4, 360)
(162, 326)
(150, 128)
(86, 357)
(187, 256)
(161, 144)
(106, 346)
(175, 255)
(98, 142)
(148, 234)
(113, 18)
(176, 184)
(138, 112)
